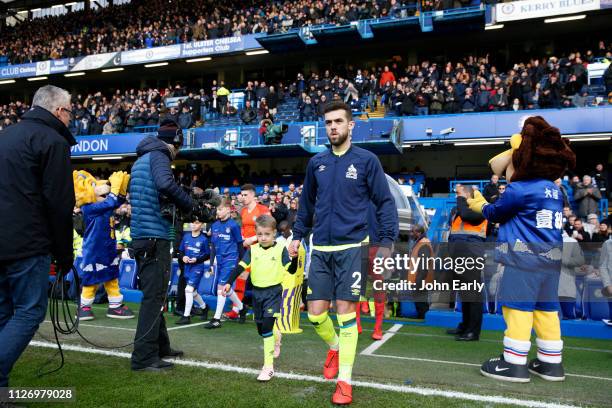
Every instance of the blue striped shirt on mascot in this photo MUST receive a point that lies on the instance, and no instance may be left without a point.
(100, 259)
(530, 214)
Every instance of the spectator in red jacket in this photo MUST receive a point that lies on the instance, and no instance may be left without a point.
(386, 76)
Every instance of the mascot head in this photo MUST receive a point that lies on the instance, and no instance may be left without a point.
(87, 189)
(538, 151)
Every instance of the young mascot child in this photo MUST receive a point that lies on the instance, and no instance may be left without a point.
(268, 261)
(98, 200)
(194, 250)
(227, 249)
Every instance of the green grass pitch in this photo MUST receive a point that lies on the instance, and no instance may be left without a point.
(413, 360)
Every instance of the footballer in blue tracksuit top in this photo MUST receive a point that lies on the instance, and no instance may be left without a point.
(340, 185)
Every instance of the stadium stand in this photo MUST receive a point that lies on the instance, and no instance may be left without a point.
(130, 26)
(474, 84)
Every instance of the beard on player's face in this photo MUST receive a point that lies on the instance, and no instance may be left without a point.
(337, 139)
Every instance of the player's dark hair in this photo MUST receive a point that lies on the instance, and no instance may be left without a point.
(265, 221)
(248, 187)
(338, 105)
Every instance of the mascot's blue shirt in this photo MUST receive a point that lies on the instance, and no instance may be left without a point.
(530, 214)
(195, 247)
(100, 260)
(225, 236)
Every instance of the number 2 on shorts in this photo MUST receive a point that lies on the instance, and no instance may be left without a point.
(357, 283)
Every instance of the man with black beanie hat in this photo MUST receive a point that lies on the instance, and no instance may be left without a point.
(152, 184)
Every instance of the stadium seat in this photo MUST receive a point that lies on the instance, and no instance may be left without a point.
(595, 305)
(174, 272)
(127, 274)
(208, 290)
(131, 295)
(208, 284)
(408, 309)
(458, 304)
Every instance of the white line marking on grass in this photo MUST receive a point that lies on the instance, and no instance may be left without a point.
(428, 360)
(377, 344)
(496, 399)
(591, 377)
(186, 326)
(99, 326)
(446, 336)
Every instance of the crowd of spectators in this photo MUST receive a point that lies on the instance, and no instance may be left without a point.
(123, 111)
(145, 23)
(474, 84)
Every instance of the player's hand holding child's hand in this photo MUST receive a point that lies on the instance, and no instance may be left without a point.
(186, 259)
(226, 289)
(293, 248)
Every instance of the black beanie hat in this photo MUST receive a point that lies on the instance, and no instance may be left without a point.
(169, 132)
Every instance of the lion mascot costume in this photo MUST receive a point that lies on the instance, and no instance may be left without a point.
(97, 200)
(530, 214)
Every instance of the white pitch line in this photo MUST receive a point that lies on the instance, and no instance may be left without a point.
(496, 399)
(377, 344)
(446, 336)
(428, 360)
(186, 326)
(99, 326)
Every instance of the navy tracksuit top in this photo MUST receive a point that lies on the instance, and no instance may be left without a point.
(338, 191)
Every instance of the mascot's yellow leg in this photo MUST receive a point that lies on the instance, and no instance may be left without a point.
(519, 323)
(517, 335)
(88, 293)
(115, 298)
(548, 332)
(547, 325)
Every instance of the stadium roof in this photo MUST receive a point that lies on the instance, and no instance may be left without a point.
(17, 5)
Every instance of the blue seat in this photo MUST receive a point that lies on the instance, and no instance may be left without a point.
(595, 305)
(174, 272)
(208, 284)
(408, 309)
(131, 295)
(459, 308)
(127, 274)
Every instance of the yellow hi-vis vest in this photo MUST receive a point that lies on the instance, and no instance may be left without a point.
(267, 267)
(460, 227)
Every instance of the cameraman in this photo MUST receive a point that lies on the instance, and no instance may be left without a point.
(152, 181)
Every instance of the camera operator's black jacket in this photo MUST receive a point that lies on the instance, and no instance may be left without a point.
(151, 179)
(36, 188)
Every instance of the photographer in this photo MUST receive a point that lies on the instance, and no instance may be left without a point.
(151, 182)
